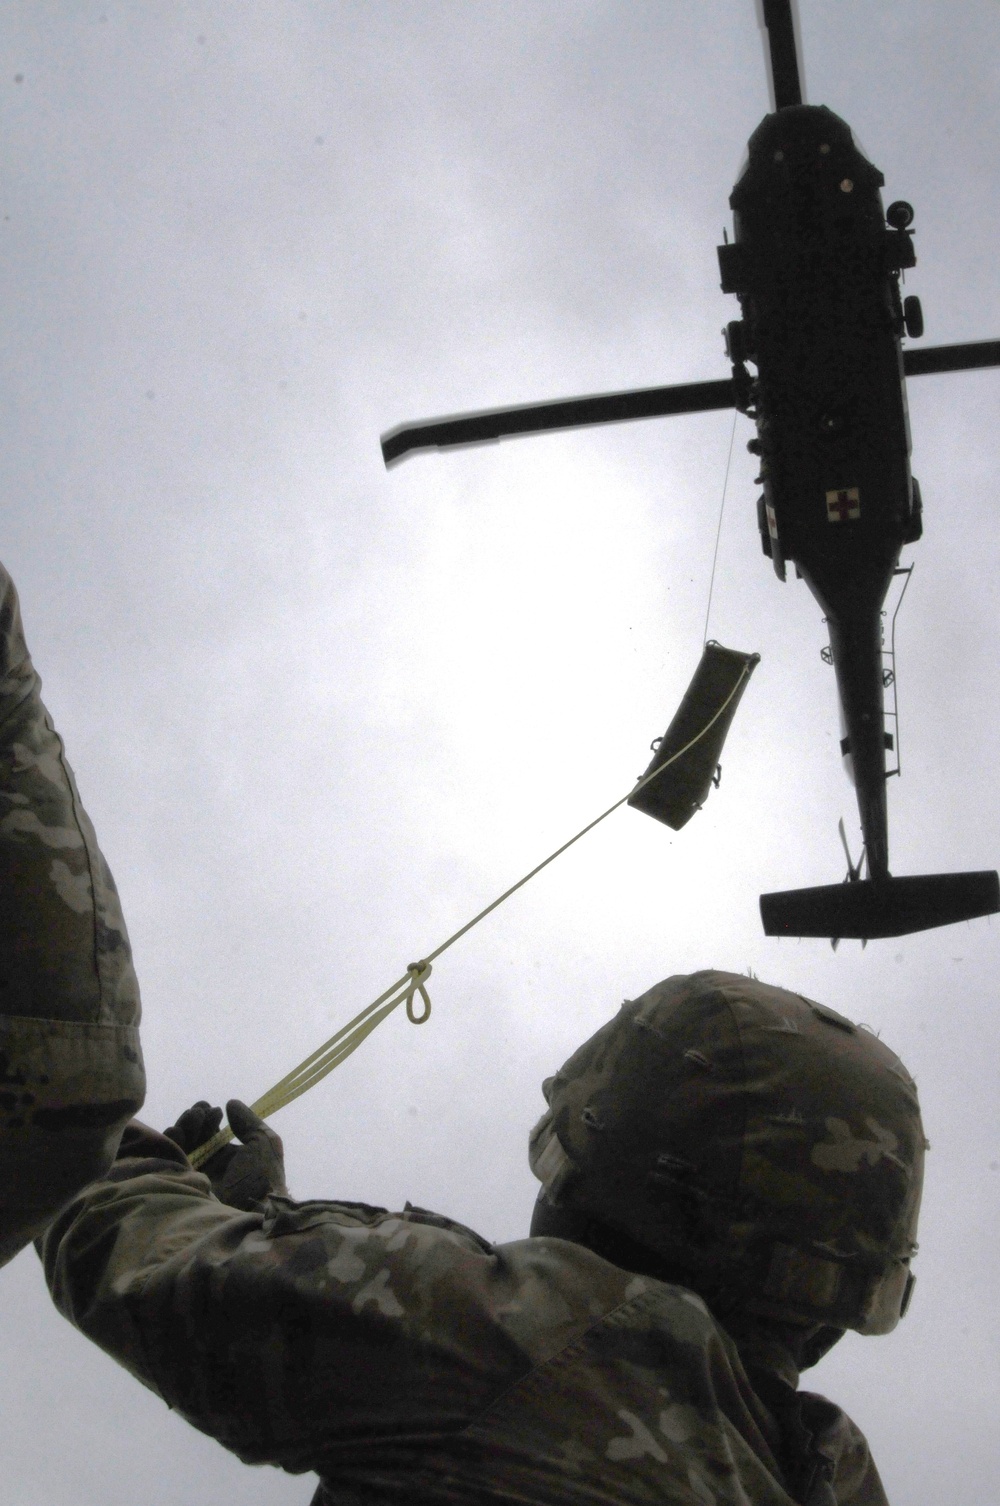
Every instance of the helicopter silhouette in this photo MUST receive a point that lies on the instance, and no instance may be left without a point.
(815, 263)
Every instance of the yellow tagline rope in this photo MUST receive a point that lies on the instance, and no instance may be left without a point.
(413, 982)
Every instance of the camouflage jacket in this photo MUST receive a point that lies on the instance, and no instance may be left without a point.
(70, 1070)
(404, 1359)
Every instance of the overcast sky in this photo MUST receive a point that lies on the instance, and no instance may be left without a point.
(321, 713)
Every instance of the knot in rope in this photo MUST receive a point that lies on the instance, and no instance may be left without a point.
(419, 973)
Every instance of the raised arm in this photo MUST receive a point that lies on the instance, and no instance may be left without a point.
(70, 1068)
(284, 1330)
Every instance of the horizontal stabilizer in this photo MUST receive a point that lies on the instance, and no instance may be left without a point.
(870, 908)
(688, 752)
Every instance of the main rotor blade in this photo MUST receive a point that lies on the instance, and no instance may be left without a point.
(646, 402)
(569, 413)
(976, 354)
(778, 18)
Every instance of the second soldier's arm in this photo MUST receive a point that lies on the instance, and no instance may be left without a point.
(70, 1069)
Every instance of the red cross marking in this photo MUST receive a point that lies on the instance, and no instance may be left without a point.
(842, 505)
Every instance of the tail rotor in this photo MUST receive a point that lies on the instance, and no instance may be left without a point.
(853, 869)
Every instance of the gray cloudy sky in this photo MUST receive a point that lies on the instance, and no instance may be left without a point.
(321, 713)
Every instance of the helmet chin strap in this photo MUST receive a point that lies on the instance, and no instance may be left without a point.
(805, 1342)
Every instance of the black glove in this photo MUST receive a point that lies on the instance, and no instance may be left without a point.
(241, 1175)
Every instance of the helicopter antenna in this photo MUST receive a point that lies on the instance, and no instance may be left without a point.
(778, 19)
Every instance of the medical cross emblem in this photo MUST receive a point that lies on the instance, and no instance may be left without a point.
(843, 504)
(772, 521)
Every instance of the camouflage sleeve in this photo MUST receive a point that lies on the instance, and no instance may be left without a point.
(70, 1068)
(302, 1331)
(855, 1478)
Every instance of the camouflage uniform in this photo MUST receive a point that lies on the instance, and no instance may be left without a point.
(404, 1359)
(70, 1069)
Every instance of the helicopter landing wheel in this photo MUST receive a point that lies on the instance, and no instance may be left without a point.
(913, 317)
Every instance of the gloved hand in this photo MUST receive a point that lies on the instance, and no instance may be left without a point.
(241, 1175)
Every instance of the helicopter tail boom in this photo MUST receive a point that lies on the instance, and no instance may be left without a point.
(872, 908)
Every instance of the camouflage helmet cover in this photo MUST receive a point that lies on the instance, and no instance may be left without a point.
(744, 1134)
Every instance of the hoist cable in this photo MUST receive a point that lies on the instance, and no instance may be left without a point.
(413, 982)
(718, 531)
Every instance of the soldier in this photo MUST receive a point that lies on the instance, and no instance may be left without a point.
(730, 1178)
(70, 1069)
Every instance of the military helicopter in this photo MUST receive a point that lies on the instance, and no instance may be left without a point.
(815, 263)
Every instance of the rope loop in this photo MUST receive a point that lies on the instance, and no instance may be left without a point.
(419, 973)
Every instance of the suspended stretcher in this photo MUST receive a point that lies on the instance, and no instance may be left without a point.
(710, 701)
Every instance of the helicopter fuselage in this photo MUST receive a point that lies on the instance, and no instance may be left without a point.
(817, 270)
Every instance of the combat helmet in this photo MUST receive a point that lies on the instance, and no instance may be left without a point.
(759, 1142)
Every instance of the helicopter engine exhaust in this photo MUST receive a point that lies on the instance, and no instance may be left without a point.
(867, 909)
